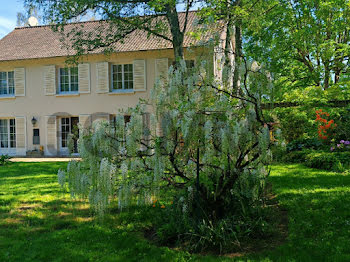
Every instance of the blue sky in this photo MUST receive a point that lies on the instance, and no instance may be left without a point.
(8, 15)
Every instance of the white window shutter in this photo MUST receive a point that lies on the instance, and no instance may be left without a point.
(20, 81)
(84, 78)
(50, 80)
(162, 67)
(84, 122)
(51, 135)
(102, 69)
(20, 132)
(139, 75)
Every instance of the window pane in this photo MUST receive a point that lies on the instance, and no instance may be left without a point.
(65, 129)
(64, 80)
(11, 82)
(3, 133)
(74, 80)
(117, 77)
(12, 133)
(3, 83)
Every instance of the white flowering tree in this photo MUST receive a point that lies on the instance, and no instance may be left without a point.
(201, 139)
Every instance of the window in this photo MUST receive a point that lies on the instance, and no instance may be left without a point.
(69, 80)
(36, 136)
(7, 133)
(122, 77)
(69, 126)
(65, 130)
(7, 83)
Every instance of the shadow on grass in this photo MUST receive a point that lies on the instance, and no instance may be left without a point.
(39, 222)
(318, 204)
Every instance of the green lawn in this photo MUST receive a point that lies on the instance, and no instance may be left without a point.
(40, 223)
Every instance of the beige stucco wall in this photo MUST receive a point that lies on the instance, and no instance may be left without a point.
(36, 104)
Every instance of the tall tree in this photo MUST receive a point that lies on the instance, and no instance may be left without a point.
(305, 43)
(156, 17)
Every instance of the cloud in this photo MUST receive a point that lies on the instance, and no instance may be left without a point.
(6, 25)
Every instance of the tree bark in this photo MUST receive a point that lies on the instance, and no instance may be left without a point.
(177, 34)
(237, 53)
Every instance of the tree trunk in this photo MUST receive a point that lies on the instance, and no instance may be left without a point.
(177, 34)
(237, 54)
(326, 75)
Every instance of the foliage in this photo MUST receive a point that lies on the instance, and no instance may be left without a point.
(335, 161)
(305, 45)
(4, 160)
(342, 117)
(307, 143)
(228, 234)
(207, 143)
(295, 123)
(325, 127)
(343, 145)
(296, 157)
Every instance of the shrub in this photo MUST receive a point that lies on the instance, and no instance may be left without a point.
(304, 143)
(337, 161)
(4, 159)
(296, 156)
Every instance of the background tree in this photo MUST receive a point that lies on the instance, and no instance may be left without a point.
(305, 44)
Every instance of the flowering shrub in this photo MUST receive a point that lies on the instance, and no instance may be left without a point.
(324, 126)
(343, 145)
(205, 146)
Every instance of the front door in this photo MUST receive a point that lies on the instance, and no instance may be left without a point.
(69, 128)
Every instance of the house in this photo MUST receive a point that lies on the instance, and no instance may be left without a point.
(42, 100)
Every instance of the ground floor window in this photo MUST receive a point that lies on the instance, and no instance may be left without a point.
(7, 133)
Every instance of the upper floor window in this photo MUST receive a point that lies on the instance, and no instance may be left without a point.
(69, 81)
(122, 77)
(7, 83)
(7, 133)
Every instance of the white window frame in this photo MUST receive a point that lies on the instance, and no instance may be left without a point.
(123, 90)
(9, 134)
(7, 84)
(69, 81)
(61, 139)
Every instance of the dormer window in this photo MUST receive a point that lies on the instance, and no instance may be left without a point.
(7, 83)
(122, 78)
(68, 80)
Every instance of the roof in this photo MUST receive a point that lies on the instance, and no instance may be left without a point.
(42, 42)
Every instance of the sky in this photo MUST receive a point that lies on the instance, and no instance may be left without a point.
(8, 15)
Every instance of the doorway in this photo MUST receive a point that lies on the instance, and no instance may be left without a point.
(69, 128)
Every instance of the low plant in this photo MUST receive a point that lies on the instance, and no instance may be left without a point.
(4, 160)
(343, 145)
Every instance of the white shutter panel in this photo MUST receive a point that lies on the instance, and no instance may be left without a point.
(84, 123)
(102, 77)
(162, 67)
(50, 80)
(20, 132)
(84, 78)
(20, 81)
(51, 135)
(139, 75)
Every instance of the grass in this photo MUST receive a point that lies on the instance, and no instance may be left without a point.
(38, 222)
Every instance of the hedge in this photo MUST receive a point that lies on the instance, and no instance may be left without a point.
(335, 161)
